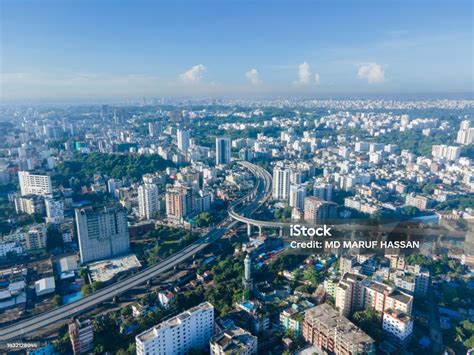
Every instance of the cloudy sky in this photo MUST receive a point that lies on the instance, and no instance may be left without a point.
(104, 48)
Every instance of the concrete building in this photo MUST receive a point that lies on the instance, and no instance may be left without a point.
(102, 233)
(381, 297)
(350, 294)
(297, 196)
(317, 211)
(223, 146)
(182, 137)
(82, 336)
(465, 134)
(398, 326)
(148, 201)
(35, 238)
(30, 204)
(179, 202)
(323, 191)
(447, 152)
(233, 340)
(324, 328)
(281, 183)
(54, 210)
(191, 329)
(34, 184)
(420, 202)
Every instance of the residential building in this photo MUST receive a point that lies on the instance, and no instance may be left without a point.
(182, 137)
(81, 334)
(148, 201)
(223, 146)
(465, 134)
(324, 328)
(54, 210)
(233, 340)
(191, 329)
(381, 297)
(398, 326)
(281, 183)
(350, 294)
(297, 196)
(317, 211)
(34, 184)
(102, 232)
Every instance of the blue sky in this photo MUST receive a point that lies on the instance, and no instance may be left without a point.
(81, 49)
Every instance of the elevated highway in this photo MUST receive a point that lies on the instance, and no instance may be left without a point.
(26, 328)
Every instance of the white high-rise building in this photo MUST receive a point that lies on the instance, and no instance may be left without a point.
(223, 145)
(54, 210)
(148, 201)
(465, 134)
(398, 325)
(32, 184)
(446, 152)
(281, 183)
(182, 136)
(297, 196)
(102, 233)
(191, 329)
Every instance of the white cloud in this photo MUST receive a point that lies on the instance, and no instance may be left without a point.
(193, 75)
(372, 72)
(304, 74)
(317, 79)
(253, 76)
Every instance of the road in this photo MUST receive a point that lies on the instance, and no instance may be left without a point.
(22, 329)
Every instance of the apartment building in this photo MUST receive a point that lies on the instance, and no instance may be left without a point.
(233, 340)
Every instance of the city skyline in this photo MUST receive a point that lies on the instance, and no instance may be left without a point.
(55, 51)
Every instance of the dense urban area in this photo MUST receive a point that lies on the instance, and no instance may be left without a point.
(163, 227)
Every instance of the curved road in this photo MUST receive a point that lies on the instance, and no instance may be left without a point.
(259, 194)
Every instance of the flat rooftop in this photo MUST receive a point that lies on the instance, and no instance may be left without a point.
(106, 270)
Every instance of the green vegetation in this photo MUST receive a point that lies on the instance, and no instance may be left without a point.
(369, 321)
(415, 141)
(93, 287)
(130, 166)
(461, 337)
(204, 219)
(161, 243)
(283, 214)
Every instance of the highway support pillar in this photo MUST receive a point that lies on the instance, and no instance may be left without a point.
(259, 231)
(249, 230)
(281, 232)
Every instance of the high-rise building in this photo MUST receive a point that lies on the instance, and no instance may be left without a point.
(102, 232)
(381, 297)
(335, 334)
(191, 329)
(179, 202)
(465, 134)
(233, 340)
(35, 238)
(317, 211)
(398, 326)
(350, 294)
(223, 145)
(34, 184)
(112, 185)
(155, 128)
(248, 284)
(297, 196)
(281, 183)
(54, 210)
(323, 191)
(148, 201)
(182, 136)
(447, 152)
(30, 204)
(81, 334)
